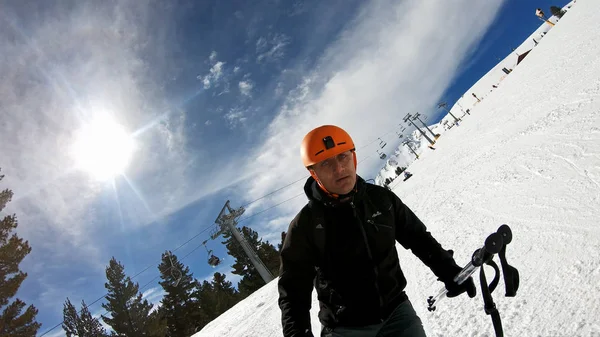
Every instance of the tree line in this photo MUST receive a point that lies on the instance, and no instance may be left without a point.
(187, 306)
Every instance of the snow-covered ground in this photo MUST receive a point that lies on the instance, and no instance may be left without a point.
(528, 156)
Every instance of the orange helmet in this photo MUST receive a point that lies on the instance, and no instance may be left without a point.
(325, 142)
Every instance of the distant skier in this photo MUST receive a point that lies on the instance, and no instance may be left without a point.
(407, 175)
(343, 243)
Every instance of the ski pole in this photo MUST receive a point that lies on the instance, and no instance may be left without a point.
(493, 245)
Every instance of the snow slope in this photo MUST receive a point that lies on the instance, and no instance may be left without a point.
(528, 156)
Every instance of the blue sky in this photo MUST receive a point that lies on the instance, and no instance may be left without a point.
(217, 96)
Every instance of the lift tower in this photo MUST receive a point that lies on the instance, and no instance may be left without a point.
(227, 222)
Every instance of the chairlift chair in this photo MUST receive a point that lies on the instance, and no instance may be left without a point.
(213, 260)
(175, 272)
(382, 144)
(381, 155)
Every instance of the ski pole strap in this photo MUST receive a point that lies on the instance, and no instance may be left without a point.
(488, 301)
(511, 275)
(496, 279)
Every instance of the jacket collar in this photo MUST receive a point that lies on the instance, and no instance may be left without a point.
(317, 195)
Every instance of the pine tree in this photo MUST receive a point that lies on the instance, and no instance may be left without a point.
(205, 296)
(215, 297)
(270, 257)
(81, 325)
(182, 311)
(14, 322)
(225, 295)
(251, 279)
(279, 246)
(130, 314)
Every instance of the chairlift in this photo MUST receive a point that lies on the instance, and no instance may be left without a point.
(382, 144)
(213, 260)
(399, 135)
(175, 272)
(381, 155)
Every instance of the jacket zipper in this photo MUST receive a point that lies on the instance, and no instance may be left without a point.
(376, 225)
(364, 235)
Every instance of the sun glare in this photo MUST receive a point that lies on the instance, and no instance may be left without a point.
(102, 148)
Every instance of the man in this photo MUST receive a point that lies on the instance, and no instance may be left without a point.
(343, 243)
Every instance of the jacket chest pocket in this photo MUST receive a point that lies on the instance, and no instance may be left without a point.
(382, 236)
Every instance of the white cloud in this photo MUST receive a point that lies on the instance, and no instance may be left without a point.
(278, 222)
(235, 117)
(246, 88)
(261, 44)
(206, 82)
(225, 89)
(98, 314)
(272, 47)
(236, 69)
(279, 89)
(213, 56)
(154, 296)
(217, 70)
(58, 332)
(214, 75)
(389, 59)
(208, 122)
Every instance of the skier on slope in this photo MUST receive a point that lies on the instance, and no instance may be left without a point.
(343, 243)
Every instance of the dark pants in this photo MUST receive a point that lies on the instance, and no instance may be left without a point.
(403, 322)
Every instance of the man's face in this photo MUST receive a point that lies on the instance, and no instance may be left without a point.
(337, 174)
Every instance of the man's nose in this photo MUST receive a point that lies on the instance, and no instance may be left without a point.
(338, 167)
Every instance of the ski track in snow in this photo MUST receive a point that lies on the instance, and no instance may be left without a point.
(528, 156)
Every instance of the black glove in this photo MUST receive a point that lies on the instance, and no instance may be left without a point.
(455, 289)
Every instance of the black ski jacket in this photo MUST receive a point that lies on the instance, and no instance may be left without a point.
(347, 251)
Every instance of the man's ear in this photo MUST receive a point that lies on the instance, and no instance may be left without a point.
(313, 174)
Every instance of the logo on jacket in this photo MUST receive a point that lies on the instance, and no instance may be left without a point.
(376, 214)
(319, 226)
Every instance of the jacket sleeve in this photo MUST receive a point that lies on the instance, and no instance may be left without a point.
(296, 275)
(412, 234)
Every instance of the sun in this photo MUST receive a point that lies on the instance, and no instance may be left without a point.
(102, 148)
